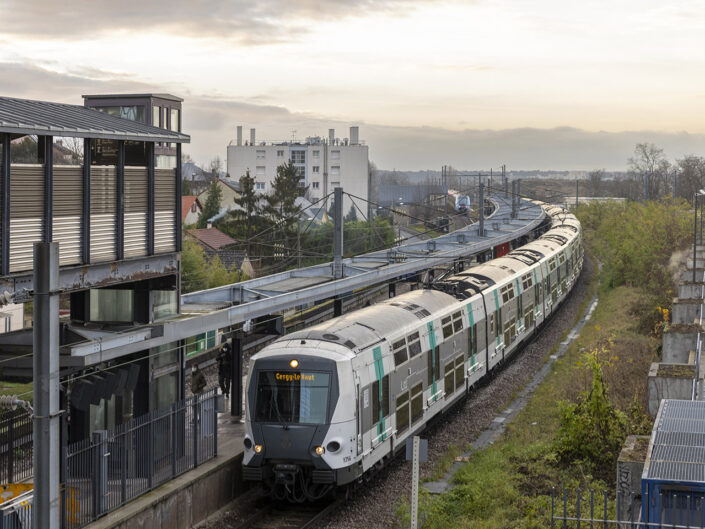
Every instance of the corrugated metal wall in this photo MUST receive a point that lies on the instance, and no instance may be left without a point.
(165, 209)
(68, 204)
(26, 213)
(103, 208)
(136, 195)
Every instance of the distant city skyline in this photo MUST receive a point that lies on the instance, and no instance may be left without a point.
(477, 83)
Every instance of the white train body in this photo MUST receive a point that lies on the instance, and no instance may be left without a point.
(369, 379)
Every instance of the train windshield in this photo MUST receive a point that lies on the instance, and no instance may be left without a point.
(292, 396)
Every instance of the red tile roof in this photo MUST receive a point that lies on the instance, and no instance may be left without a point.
(186, 203)
(211, 237)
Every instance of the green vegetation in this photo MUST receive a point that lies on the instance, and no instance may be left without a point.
(199, 272)
(212, 205)
(570, 433)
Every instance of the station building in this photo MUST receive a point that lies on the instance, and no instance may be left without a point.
(323, 164)
(117, 219)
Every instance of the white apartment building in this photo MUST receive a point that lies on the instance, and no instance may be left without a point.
(323, 164)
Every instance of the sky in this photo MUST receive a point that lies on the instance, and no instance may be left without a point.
(474, 84)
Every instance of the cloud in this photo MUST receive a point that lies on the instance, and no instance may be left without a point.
(211, 123)
(246, 21)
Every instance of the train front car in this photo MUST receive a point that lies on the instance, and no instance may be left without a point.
(299, 431)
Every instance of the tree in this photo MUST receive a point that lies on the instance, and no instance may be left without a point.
(691, 175)
(595, 181)
(186, 188)
(649, 165)
(212, 205)
(281, 203)
(242, 222)
(216, 166)
(193, 267)
(218, 275)
(352, 214)
(25, 151)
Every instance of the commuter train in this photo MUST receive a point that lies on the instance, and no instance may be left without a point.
(462, 203)
(328, 405)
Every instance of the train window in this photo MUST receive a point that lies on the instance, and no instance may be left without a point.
(416, 402)
(449, 372)
(552, 264)
(526, 282)
(459, 372)
(402, 412)
(380, 399)
(457, 322)
(472, 340)
(529, 316)
(400, 354)
(507, 292)
(414, 344)
(492, 324)
(447, 327)
(434, 365)
(561, 258)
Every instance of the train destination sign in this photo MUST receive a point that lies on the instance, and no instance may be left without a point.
(295, 377)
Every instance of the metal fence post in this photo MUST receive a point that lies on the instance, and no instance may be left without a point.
(123, 470)
(150, 450)
(214, 398)
(174, 450)
(195, 430)
(11, 450)
(100, 471)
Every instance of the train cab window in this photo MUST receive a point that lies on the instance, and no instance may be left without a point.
(447, 327)
(434, 365)
(414, 344)
(402, 412)
(292, 397)
(416, 402)
(457, 322)
(380, 399)
(399, 350)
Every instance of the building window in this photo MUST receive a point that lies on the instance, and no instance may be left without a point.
(155, 116)
(316, 169)
(280, 154)
(335, 170)
(315, 185)
(162, 122)
(175, 121)
(316, 154)
(335, 155)
(260, 155)
(259, 186)
(298, 156)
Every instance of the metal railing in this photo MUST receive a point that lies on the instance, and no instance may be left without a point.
(116, 466)
(598, 510)
(16, 444)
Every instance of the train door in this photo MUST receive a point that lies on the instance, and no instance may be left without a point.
(358, 414)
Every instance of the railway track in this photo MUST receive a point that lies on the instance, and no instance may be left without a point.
(270, 515)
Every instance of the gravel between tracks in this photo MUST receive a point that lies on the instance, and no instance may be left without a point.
(373, 506)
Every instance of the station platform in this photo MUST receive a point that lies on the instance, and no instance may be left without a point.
(193, 496)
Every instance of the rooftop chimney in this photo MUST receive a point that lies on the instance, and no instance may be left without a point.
(239, 135)
(331, 136)
(354, 135)
(252, 136)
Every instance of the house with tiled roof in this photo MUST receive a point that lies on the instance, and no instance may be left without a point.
(215, 242)
(191, 209)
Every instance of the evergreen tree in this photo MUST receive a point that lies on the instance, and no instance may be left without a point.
(212, 205)
(281, 204)
(193, 267)
(352, 214)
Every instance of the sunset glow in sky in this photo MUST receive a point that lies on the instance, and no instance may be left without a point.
(388, 66)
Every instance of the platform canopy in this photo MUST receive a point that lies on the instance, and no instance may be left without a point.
(23, 116)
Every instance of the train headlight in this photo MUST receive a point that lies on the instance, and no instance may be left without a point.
(294, 363)
(258, 449)
(319, 450)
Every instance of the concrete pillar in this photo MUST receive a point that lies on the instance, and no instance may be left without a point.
(669, 381)
(630, 466)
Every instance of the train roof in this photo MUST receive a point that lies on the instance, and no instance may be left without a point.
(364, 327)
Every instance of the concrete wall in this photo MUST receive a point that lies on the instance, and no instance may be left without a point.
(690, 290)
(630, 466)
(677, 345)
(182, 502)
(665, 383)
(685, 311)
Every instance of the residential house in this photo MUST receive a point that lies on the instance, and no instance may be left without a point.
(191, 209)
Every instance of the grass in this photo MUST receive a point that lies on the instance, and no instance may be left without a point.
(23, 390)
(509, 484)
(423, 230)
